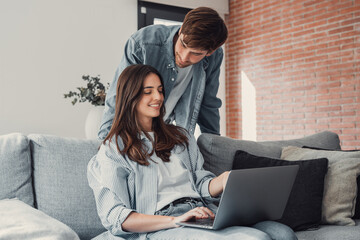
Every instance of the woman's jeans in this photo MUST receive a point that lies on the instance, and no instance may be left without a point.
(267, 230)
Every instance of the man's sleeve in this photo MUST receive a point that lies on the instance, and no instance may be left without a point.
(132, 55)
(209, 117)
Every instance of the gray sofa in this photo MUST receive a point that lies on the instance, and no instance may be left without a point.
(219, 153)
(49, 173)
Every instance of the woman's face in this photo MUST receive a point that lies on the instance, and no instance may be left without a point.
(150, 102)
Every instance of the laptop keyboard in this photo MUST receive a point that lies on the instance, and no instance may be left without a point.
(205, 222)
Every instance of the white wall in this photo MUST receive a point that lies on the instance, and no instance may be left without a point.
(222, 95)
(45, 48)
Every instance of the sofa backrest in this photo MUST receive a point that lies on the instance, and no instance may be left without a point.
(60, 182)
(219, 151)
(15, 170)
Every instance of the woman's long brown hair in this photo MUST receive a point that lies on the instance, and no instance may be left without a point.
(126, 126)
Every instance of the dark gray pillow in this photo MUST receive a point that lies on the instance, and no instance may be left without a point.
(303, 209)
(219, 151)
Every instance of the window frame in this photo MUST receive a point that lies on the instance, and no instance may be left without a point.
(156, 10)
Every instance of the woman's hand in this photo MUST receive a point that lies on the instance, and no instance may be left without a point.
(137, 222)
(198, 213)
(217, 184)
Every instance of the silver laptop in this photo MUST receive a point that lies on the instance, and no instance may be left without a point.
(251, 196)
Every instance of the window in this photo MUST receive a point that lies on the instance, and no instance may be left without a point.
(153, 13)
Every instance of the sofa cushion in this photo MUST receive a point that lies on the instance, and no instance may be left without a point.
(340, 182)
(20, 221)
(331, 232)
(303, 209)
(60, 182)
(15, 171)
(357, 206)
(219, 151)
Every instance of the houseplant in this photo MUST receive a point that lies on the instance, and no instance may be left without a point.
(95, 93)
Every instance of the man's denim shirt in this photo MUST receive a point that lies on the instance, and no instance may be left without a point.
(153, 45)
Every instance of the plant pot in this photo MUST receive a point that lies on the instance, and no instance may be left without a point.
(93, 121)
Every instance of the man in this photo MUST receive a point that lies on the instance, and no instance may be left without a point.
(189, 59)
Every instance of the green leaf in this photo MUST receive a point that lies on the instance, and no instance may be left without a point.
(94, 92)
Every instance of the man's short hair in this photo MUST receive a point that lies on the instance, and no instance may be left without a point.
(204, 29)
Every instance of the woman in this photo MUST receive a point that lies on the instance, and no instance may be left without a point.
(148, 175)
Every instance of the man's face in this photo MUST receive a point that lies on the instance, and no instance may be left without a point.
(185, 56)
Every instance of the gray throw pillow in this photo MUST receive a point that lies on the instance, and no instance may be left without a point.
(340, 188)
(20, 221)
(15, 170)
(61, 187)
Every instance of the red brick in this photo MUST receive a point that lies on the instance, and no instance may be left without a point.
(316, 46)
(351, 145)
(342, 78)
(349, 59)
(342, 101)
(348, 137)
(340, 54)
(341, 90)
(304, 55)
(354, 82)
(324, 4)
(309, 3)
(303, 44)
(306, 32)
(355, 131)
(351, 94)
(328, 62)
(303, 10)
(336, 7)
(342, 125)
(315, 24)
(327, 27)
(329, 120)
(328, 50)
(339, 30)
(315, 35)
(339, 18)
(327, 38)
(341, 42)
(349, 107)
(351, 21)
(316, 58)
(323, 16)
(328, 109)
(349, 10)
(350, 46)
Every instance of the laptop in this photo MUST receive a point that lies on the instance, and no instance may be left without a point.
(251, 196)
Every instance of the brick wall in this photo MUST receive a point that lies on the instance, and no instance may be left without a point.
(303, 60)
